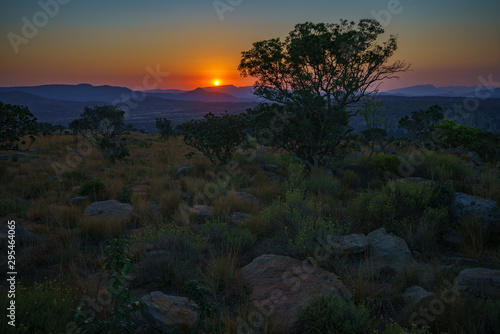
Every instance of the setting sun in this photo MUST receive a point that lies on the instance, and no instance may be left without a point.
(217, 83)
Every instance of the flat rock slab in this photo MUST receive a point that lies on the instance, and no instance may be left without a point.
(416, 294)
(282, 284)
(486, 210)
(169, 314)
(108, 210)
(479, 282)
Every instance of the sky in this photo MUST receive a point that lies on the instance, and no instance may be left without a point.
(135, 43)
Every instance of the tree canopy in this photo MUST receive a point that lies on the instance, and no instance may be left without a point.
(16, 122)
(316, 73)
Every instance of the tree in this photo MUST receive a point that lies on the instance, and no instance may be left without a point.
(78, 127)
(420, 123)
(217, 137)
(59, 128)
(16, 122)
(105, 121)
(316, 73)
(45, 128)
(371, 110)
(165, 127)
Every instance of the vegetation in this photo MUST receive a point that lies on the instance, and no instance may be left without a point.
(316, 73)
(165, 127)
(420, 123)
(16, 123)
(217, 137)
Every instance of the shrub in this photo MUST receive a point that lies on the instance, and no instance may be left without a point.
(319, 182)
(383, 163)
(398, 206)
(217, 137)
(93, 188)
(126, 194)
(328, 313)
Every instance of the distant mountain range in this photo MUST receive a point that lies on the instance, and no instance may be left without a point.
(60, 104)
(451, 91)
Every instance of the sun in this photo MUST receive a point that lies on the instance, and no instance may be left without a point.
(217, 82)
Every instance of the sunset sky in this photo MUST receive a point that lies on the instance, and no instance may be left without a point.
(113, 42)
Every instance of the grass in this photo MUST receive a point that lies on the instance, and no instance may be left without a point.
(287, 218)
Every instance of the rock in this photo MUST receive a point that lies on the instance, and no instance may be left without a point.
(79, 200)
(486, 210)
(76, 189)
(203, 211)
(282, 284)
(153, 208)
(23, 237)
(463, 262)
(4, 157)
(53, 178)
(141, 190)
(238, 218)
(453, 238)
(185, 169)
(349, 244)
(479, 282)
(418, 180)
(384, 149)
(169, 314)
(387, 251)
(16, 156)
(416, 294)
(270, 168)
(243, 196)
(108, 210)
(475, 159)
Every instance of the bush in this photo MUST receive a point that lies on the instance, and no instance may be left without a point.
(441, 167)
(398, 206)
(383, 163)
(217, 137)
(329, 313)
(93, 188)
(126, 194)
(319, 182)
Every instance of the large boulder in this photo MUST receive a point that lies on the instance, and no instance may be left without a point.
(349, 244)
(282, 284)
(169, 314)
(386, 252)
(479, 282)
(184, 170)
(202, 211)
(416, 294)
(486, 210)
(108, 210)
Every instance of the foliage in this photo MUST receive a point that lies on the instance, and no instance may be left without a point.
(421, 122)
(399, 205)
(112, 150)
(103, 121)
(315, 74)
(486, 144)
(78, 127)
(92, 188)
(209, 320)
(16, 122)
(384, 163)
(329, 313)
(45, 128)
(45, 307)
(126, 195)
(371, 110)
(165, 127)
(217, 137)
(119, 266)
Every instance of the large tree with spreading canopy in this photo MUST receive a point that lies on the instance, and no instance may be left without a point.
(316, 73)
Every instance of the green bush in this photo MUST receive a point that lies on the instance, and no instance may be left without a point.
(398, 206)
(319, 182)
(442, 167)
(93, 188)
(217, 137)
(383, 163)
(126, 194)
(237, 240)
(329, 313)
